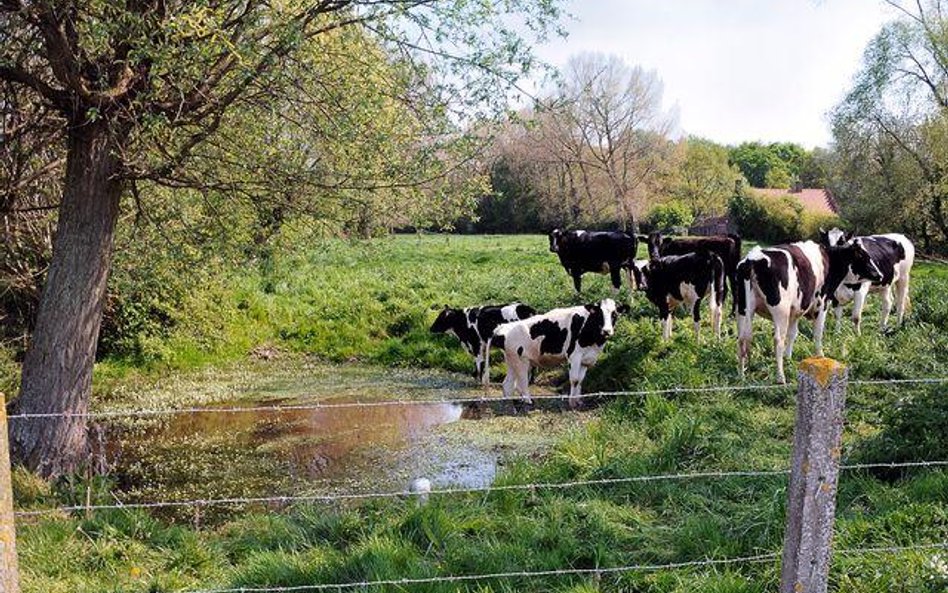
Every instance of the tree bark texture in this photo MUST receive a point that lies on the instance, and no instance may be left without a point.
(57, 369)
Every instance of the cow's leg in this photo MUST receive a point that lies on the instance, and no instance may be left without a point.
(513, 362)
(523, 380)
(716, 313)
(696, 316)
(859, 301)
(578, 280)
(792, 333)
(485, 370)
(615, 273)
(781, 321)
(886, 305)
(576, 374)
(902, 294)
(665, 314)
(819, 325)
(838, 311)
(745, 330)
(479, 364)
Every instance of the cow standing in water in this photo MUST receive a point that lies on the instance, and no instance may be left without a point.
(573, 334)
(595, 251)
(893, 256)
(474, 327)
(787, 282)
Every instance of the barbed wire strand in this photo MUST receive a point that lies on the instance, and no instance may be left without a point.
(755, 559)
(286, 499)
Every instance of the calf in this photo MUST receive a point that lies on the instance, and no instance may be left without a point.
(787, 282)
(574, 334)
(727, 247)
(674, 279)
(474, 327)
(893, 256)
(595, 251)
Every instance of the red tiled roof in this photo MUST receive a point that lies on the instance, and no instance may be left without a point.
(815, 200)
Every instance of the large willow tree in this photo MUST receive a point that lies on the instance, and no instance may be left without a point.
(142, 92)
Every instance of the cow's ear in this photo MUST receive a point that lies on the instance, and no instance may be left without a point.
(849, 236)
(623, 309)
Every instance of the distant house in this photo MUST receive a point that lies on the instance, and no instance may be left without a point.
(814, 200)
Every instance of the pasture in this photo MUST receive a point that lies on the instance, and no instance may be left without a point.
(372, 303)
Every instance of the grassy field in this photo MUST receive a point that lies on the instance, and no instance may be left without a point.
(372, 302)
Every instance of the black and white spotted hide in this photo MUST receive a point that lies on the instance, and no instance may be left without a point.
(672, 280)
(575, 335)
(474, 327)
(893, 256)
(787, 282)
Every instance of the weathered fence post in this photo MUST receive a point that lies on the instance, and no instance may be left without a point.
(9, 574)
(811, 505)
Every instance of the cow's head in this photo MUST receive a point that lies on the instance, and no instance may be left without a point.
(448, 320)
(835, 237)
(640, 274)
(654, 244)
(853, 257)
(610, 313)
(555, 236)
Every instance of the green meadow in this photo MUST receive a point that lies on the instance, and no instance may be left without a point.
(372, 303)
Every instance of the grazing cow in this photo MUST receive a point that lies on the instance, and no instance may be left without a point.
(674, 279)
(787, 282)
(572, 334)
(727, 247)
(893, 256)
(595, 251)
(475, 326)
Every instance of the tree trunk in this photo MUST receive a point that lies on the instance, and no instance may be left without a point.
(57, 370)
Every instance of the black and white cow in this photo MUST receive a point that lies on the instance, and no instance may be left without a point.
(893, 256)
(573, 334)
(595, 251)
(727, 247)
(787, 282)
(474, 327)
(675, 279)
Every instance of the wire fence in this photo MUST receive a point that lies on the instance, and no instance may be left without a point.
(536, 486)
(314, 406)
(594, 572)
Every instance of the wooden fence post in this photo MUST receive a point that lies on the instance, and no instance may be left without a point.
(9, 574)
(811, 496)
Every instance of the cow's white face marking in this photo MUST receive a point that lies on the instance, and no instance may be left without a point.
(757, 254)
(608, 307)
(836, 237)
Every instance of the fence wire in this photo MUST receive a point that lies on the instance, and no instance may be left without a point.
(431, 402)
(595, 572)
(328, 498)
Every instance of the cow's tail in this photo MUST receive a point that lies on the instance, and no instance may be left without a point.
(746, 304)
(718, 284)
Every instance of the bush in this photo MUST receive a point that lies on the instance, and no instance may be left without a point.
(669, 215)
(780, 219)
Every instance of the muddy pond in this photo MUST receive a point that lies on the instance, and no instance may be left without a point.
(301, 449)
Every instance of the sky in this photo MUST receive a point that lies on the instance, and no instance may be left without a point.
(735, 70)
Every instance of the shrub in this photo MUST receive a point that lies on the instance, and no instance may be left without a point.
(765, 218)
(669, 215)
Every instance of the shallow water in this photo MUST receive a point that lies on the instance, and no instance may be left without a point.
(359, 448)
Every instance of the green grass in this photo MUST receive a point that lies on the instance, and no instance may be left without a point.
(373, 302)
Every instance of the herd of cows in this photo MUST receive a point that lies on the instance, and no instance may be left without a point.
(782, 283)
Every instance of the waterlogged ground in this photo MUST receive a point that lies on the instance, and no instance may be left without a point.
(367, 448)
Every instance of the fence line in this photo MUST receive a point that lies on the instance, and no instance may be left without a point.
(482, 489)
(430, 402)
(756, 559)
